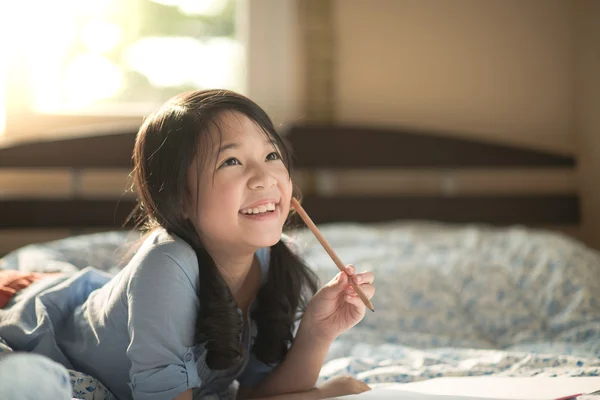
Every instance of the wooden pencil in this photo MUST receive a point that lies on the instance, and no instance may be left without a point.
(311, 225)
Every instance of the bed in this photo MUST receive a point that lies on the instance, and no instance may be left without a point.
(471, 279)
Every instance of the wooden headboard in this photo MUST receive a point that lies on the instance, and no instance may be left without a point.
(386, 163)
(347, 173)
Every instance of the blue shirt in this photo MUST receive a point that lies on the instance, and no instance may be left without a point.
(135, 332)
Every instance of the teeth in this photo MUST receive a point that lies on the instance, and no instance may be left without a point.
(260, 209)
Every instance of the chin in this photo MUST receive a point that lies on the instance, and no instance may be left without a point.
(266, 239)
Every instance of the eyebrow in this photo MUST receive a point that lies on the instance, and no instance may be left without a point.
(235, 145)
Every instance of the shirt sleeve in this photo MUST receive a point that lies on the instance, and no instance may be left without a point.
(163, 307)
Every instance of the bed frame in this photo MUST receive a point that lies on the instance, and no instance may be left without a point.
(321, 152)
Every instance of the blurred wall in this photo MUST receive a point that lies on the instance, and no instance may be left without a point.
(500, 70)
(587, 114)
(508, 71)
(503, 70)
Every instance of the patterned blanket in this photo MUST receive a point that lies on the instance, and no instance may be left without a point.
(452, 300)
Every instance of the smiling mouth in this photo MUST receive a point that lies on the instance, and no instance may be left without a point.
(262, 209)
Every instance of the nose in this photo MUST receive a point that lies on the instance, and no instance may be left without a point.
(261, 178)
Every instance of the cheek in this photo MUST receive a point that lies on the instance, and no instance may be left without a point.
(215, 202)
(287, 187)
(221, 198)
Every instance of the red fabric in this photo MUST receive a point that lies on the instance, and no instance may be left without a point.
(11, 282)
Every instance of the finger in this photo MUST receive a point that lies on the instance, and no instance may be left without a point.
(356, 302)
(364, 277)
(336, 279)
(367, 289)
(350, 269)
(338, 283)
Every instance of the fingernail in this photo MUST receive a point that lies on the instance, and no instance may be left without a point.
(358, 279)
(350, 269)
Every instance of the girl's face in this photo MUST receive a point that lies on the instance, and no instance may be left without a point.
(239, 193)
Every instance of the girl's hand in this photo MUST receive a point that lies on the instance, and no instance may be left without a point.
(341, 386)
(336, 308)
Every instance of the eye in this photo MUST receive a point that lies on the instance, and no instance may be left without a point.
(273, 156)
(231, 161)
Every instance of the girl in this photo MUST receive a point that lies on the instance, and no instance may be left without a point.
(213, 293)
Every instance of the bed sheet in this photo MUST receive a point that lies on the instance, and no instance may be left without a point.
(392, 363)
(452, 300)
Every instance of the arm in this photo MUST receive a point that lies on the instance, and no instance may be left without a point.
(333, 310)
(309, 395)
(187, 395)
(334, 387)
(299, 370)
(162, 306)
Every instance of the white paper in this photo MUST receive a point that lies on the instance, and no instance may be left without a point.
(389, 394)
(483, 388)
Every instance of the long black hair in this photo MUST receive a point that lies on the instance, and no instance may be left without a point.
(167, 143)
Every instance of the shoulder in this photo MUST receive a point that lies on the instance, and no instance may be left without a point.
(160, 242)
(165, 256)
